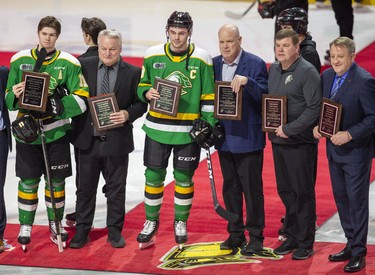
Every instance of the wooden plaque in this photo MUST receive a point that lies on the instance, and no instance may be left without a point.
(170, 93)
(100, 108)
(274, 112)
(228, 104)
(36, 90)
(330, 117)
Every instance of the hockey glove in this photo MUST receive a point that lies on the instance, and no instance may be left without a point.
(25, 129)
(55, 107)
(266, 9)
(205, 135)
(200, 131)
(217, 133)
(61, 91)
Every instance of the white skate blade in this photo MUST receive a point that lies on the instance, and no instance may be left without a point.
(24, 247)
(282, 238)
(143, 246)
(181, 246)
(70, 223)
(56, 242)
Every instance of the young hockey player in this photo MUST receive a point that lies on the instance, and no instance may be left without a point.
(183, 62)
(64, 71)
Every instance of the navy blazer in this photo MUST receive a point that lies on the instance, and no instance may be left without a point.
(4, 71)
(246, 135)
(357, 96)
(119, 140)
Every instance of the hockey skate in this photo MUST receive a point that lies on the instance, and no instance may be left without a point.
(71, 219)
(180, 233)
(53, 234)
(147, 236)
(24, 236)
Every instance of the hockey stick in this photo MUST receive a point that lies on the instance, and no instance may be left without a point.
(41, 57)
(239, 16)
(50, 186)
(230, 217)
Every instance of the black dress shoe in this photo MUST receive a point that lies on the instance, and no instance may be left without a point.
(117, 244)
(343, 255)
(355, 264)
(302, 254)
(229, 243)
(254, 246)
(79, 241)
(285, 248)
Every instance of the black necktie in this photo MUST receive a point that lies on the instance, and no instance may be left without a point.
(105, 83)
(336, 87)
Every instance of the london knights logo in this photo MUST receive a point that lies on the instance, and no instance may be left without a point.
(179, 77)
(207, 254)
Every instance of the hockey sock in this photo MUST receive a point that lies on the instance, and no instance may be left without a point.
(27, 200)
(154, 191)
(183, 194)
(59, 195)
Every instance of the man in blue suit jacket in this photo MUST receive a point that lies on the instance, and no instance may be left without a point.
(5, 145)
(350, 151)
(241, 152)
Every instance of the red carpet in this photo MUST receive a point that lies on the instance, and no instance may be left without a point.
(204, 226)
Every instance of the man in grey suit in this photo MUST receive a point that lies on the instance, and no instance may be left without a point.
(351, 149)
(108, 151)
(5, 145)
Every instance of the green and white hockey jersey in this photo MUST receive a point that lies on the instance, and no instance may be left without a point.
(197, 95)
(65, 70)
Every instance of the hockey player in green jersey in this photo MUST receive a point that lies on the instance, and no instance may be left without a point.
(180, 61)
(62, 103)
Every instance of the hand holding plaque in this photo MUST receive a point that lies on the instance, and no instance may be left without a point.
(274, 112)
(169, 99)
(101, 107)
(228, 104)
(34, 97)
(330, 117)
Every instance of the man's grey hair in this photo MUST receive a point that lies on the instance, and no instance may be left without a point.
(111, 33)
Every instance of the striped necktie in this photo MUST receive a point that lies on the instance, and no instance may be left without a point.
(336, 87)
(105, 83)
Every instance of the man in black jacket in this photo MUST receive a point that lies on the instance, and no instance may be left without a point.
(91, 27)
(5, 145)
(108, 151)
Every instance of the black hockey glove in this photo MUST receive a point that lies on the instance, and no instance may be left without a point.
(217, 133)
(266, 9)
(61, 91)
(55, 107)
(200, 131)
(25, 129)
(204, 134)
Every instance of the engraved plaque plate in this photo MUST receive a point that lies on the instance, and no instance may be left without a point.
(35, 94)
(228, 105)
(170, 93)
(330, 117)
(100, 108)
(274, 112)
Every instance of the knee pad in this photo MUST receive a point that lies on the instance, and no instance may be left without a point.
(29, 185)
(155, 176)
(183, 175)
